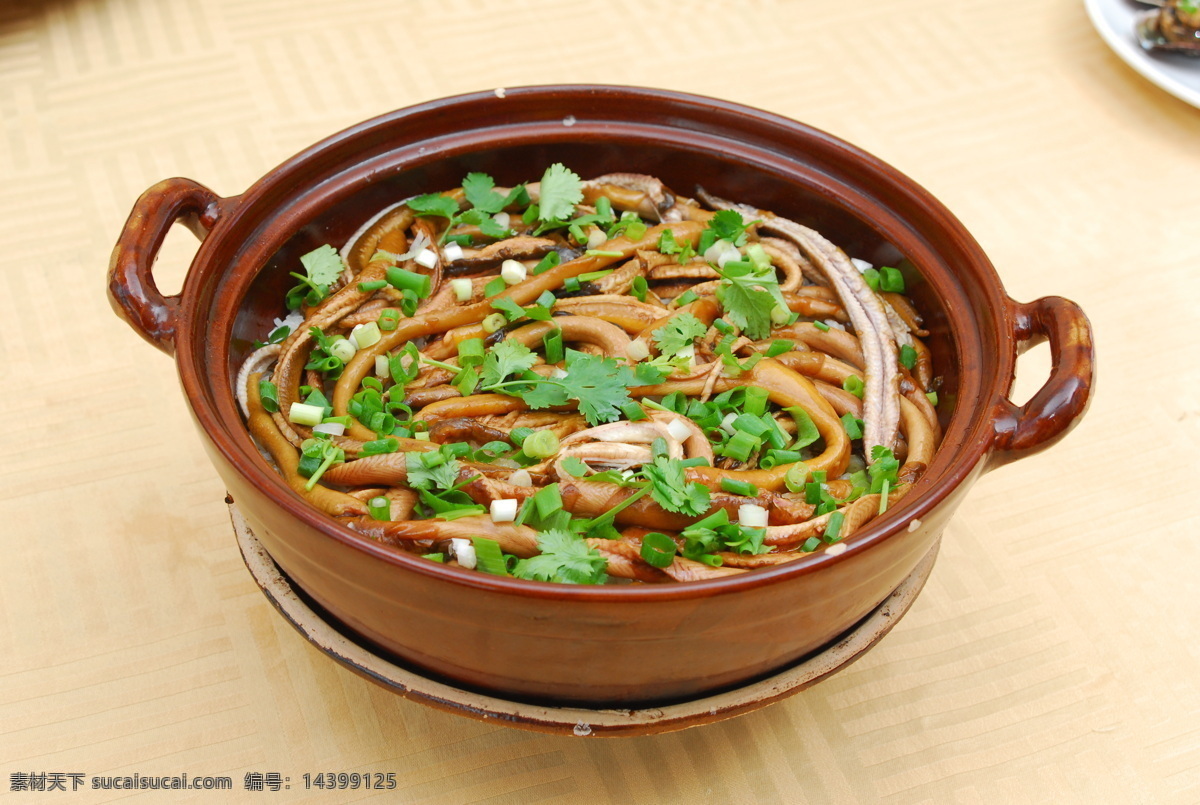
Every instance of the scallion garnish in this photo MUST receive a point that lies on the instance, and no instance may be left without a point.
(735, 487)
(908, 356)
(380, 508)
(658, 550)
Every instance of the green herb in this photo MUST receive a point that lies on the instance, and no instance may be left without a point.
(431, 470)
(822, 326)
(932, 396)
(322, 267)
(908, 356)
(884, 468)
(854, 385)
(552, 343)
(574, 466)
(600, 385)
(564, 558)
(506, 358)
(729, 225)
(679, 332)
(670, 488)
(748, 295)
(561, 190)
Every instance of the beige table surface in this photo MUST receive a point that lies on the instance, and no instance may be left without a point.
(1053, 656)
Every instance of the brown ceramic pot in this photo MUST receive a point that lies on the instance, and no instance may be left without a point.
(610, 645)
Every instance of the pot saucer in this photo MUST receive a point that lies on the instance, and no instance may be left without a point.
(323, 632)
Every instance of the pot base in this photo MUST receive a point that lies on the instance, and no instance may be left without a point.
(323, 632)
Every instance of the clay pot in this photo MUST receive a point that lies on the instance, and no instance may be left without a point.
(610, 645)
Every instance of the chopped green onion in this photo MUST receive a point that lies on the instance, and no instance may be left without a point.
(304, 414)
(639, 288)
(756, 399)
(741, 445)
(463, 289)
(834, 526)
(403, 280)
(736, 487)
(389, 319)
(774, 458)
(494, 287)
(553, 343)
(488, 556)
(601, 252)
(822, 326)
(686, 298)
(852, 425)
(908, 356)
(854, 384)
(379, 447)
(547, 500)
(749, 423)
(268, 395)
(806, 429)
(796, 477)
(548, 262)
(342, 348)
(779, 346)
(434, 557)
(698, 461)
(518, 435)
(883, 496)
(374, 285)
(380, 508)
(540, 444)
(494, 322)
(871, 277)
(658, 550)
(810, 545)
(891, 280)
(632, 411)
(932, 396)
(365, 335)
(470, 352)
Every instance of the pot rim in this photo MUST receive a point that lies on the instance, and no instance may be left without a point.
(967, 441)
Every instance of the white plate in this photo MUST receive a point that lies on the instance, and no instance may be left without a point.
(1178, 75)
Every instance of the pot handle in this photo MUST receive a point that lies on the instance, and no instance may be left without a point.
(131, 288)
(1058, 405)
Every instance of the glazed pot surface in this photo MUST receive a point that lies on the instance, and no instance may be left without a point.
(610, 645)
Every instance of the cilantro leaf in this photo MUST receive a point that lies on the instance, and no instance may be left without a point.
(564, 558)
(434, 204)
(561, 190)
(478, 189)
(422, 476)
(747, 295)
(599, 384)
(323, 265)
(729, 225)
(678, 333)
(506, 358)
(671, 490)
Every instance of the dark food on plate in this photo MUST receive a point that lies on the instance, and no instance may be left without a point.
(593, 381)
(1174, 27)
